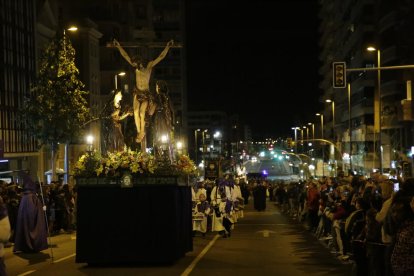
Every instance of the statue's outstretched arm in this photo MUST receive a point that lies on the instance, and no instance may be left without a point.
(125, 115)
(162, 55)
(123, 52)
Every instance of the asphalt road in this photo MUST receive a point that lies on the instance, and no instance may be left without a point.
(262, 243)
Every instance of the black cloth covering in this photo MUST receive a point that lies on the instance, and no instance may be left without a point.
(142, 224)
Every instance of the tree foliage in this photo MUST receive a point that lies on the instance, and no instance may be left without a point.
(56, 108)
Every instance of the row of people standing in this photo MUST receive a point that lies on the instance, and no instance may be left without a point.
(365, 221)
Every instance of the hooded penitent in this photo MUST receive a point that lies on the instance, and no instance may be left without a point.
(31, 230)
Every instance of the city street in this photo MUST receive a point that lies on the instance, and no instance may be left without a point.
(262, 243)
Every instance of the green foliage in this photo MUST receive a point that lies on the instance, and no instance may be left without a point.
(56, 108)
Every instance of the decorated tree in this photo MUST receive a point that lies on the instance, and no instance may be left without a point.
(55, 110)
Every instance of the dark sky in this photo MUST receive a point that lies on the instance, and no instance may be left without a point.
(256, 58)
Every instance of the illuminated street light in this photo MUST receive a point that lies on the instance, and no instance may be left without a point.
(295, 129)
(89, 143)
(72, 28)
(307, 137)
(333, 116)
(179, 145)
(66, 157)
(321, 115)
(313, 130)
(323, 146)
(195, 144)
(121, 74)
(377, 104)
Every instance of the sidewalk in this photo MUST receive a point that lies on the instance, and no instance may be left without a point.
(325, 241)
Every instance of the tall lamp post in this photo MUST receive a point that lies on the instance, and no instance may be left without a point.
(313, 133)
(204, 144)
(349, 126)
(321, 115)
(66, 159)
(121, 74)
(323, 148)
(307, 137)
(301, 137)
(295, 129)
(333, 116)
(377, 104)
(217, 135)
(307, 132)
(313, 130)
(332, 102)
(195, 145)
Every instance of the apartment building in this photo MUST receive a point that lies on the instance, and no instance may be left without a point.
(374, 123)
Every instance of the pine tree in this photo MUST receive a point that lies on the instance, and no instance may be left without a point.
(56, 109)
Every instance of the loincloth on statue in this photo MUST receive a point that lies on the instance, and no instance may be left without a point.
(142, 95)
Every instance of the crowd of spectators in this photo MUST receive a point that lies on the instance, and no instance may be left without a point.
(366, 221)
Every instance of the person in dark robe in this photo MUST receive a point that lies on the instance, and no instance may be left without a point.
(244, 191)
(31, 231)
(259, 197)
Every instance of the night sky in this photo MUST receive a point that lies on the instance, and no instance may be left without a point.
(256, 58)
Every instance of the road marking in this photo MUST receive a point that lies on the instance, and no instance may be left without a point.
(27, 273)
(190, 268)
(266, 233)
(65, 258)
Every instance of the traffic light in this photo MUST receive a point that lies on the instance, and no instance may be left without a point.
(289, 143)
(339, 74)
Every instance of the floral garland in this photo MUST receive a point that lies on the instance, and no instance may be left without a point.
(137, 163)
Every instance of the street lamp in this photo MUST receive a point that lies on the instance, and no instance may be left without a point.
(195, 144)
(203, 137)
(305, 146)
(89, 143)
(323, 148)
(72, 28)
(349, 126)
(217, 135)
(307, 132)
(333, 116)
(66, 158)
(301, 135)
(313, 130)
(377, 103)
(321, 115)
(121, 74)
(179, 145)
(295, 129)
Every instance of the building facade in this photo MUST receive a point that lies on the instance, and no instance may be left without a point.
(17, 71)
(373, 126)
